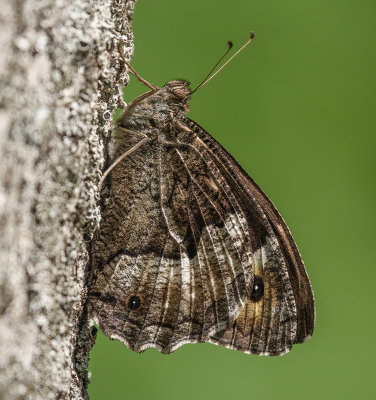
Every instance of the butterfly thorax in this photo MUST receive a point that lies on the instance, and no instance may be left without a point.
(153, 113)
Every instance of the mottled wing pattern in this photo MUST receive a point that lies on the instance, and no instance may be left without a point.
(179, 268)
(284, 314)
(191, 236)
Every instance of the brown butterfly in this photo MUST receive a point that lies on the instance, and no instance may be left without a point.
(189, 248)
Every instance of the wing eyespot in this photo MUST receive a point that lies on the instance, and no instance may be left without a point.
(134, 303)
(257, 290)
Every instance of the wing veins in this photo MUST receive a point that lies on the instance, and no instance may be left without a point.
(152, 296)
(219, 213)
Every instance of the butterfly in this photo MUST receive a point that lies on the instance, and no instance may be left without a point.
(189, 248)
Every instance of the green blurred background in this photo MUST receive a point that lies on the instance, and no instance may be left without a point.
(297, 109)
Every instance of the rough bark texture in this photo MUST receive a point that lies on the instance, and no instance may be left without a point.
(61, 80)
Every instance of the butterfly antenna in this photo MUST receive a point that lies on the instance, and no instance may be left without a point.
(207, 79)
(215, 66)
(133, 72)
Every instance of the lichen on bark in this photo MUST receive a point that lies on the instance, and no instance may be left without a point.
(61, 81)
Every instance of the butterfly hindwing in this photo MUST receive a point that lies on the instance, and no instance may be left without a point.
(179, 252)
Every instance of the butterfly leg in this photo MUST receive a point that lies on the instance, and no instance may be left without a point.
(121, 130)
(133, 72)
(115, 163)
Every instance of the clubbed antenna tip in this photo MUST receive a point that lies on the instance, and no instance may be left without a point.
(210, 76)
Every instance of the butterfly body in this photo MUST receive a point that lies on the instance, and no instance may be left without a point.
(189, 248)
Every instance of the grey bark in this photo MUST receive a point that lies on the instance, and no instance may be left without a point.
(61, 80)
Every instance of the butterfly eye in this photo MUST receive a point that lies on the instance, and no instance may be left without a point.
(134, 302)
(179, 93)
(257, 290)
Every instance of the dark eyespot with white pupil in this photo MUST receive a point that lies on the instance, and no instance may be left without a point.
(257, 290)
(134, 303)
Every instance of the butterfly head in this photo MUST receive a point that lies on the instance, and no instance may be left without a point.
(179, 93)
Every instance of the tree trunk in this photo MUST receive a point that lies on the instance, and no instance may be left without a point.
(61, 80)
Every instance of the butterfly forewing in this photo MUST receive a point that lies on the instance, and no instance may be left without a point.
(292, 296)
